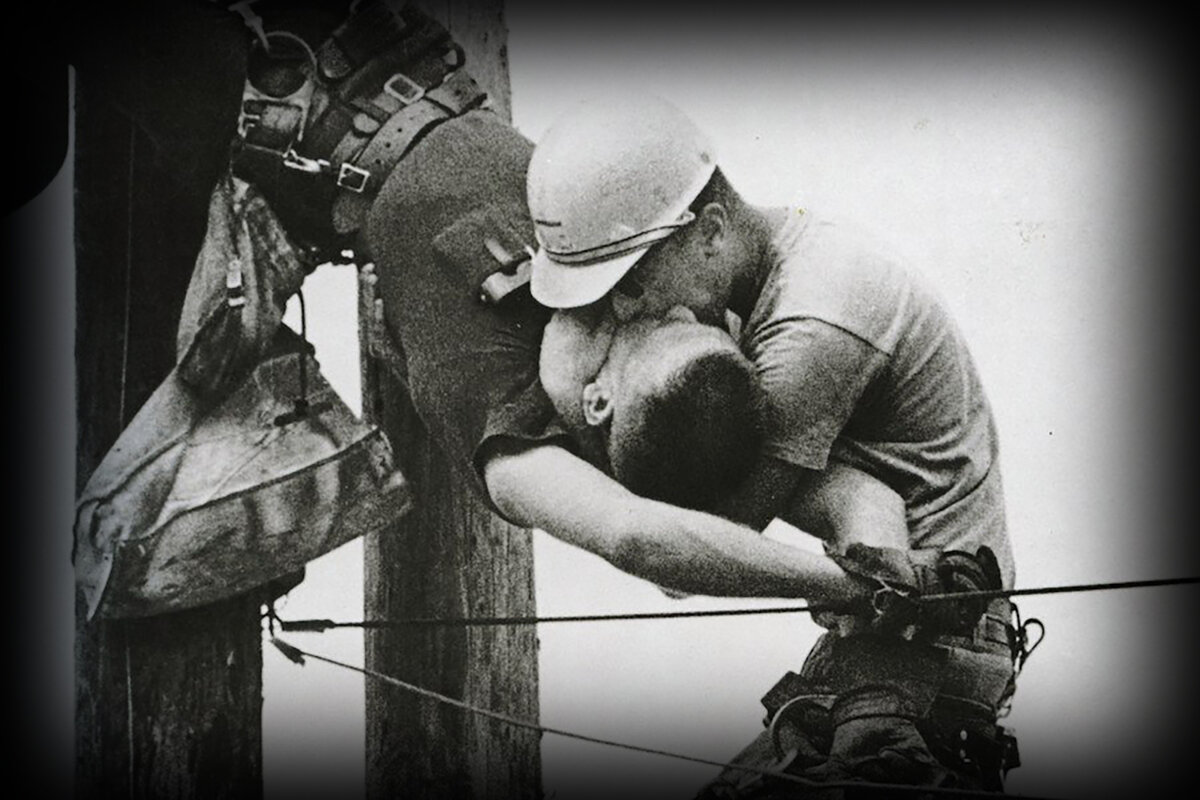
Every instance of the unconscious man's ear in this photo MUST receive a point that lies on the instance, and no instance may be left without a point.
(597, 404)
(680, 314)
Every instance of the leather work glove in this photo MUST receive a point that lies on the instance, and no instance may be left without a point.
(903, 577)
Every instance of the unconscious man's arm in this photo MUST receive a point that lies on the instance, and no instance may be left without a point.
(546, 487)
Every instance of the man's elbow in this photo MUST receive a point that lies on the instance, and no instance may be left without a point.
(632, 553)
(507, 483)
(648, 546)
(532, 491)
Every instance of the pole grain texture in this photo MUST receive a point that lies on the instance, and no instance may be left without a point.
(450, 557)
(169, 706)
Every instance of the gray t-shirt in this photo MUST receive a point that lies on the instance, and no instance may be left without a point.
(863, 365)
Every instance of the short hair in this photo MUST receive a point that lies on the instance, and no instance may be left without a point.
(718, 189)
(695, 441)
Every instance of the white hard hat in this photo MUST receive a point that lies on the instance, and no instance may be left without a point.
(608, 180)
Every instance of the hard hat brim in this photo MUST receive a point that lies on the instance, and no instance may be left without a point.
(558, 285)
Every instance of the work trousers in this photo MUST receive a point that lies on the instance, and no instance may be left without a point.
(876, 709)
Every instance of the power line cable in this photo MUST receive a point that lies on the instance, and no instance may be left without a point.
(297, 655)
(320, 625)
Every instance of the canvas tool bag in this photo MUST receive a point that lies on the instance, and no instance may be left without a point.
(244, 464)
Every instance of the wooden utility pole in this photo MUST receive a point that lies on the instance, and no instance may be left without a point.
(170, 706)
(449, 557)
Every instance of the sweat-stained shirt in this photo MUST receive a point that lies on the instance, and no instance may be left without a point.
(863, 365)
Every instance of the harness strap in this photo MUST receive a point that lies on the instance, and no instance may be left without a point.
(393, 141)
(384, 79)
(962, 736)
(368, 30)
(418, 48)
(397, 92)
(972, 747)
(274, 123)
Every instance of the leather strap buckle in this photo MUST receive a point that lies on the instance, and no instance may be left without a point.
(313, 166)
(352, 178)
(248, 119)
(404, 89)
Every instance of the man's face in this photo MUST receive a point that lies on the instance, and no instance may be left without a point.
(597, 370)
(672, 273)
(646, 354)
(575, 345)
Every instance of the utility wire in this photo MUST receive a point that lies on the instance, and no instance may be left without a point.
(319, 625)
(297, 655)
(1083, 587)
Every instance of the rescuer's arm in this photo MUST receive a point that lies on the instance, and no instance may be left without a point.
(841, 504)
(813, 377)
(546, 487)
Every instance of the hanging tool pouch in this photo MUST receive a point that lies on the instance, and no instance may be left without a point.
(244, 464)
(322, 127)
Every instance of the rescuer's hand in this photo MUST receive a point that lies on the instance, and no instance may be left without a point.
(961, 572)
(902, 577)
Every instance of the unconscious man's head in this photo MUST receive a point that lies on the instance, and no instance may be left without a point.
(674, 403)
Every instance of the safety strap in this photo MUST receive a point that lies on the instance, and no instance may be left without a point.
(362, 174)
(958, 735)
(984, 750)
(370, 28)
(385, 79)
(362, 101)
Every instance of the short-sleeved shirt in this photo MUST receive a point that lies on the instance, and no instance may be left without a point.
(472, 366)
(862, 364)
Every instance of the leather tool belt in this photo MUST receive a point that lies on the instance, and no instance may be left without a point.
(321, 129)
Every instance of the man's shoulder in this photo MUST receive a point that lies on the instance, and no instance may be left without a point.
(841, 255)
(841, 273)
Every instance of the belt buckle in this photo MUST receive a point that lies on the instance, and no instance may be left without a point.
(404, 89)
(293, 160)
(246, 120)
(352, 178)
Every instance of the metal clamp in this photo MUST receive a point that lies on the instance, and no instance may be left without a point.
(895, 609)
(293, 160)
(454, 57)
(248, 120)
(499, 285)
(404, 89)
(235, 293)
(352, 178)
(884, 598)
